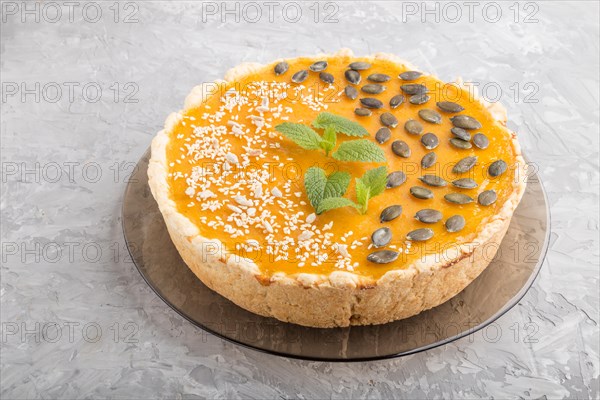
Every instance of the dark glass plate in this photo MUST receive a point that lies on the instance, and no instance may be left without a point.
(503, 283)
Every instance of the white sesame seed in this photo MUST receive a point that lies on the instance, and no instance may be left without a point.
(311, 218)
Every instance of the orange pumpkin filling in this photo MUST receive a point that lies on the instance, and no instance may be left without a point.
(240, 181)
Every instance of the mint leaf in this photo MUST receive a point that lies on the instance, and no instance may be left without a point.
(339, 124)
(320, 186)
(329, 140)
(337, 184)
(359, 150)
(300, 134)
(334, 202)
(315, 181)
(371, 184)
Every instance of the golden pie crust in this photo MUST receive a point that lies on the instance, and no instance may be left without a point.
(342, 297)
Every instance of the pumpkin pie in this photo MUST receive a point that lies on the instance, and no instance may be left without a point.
(336, 190)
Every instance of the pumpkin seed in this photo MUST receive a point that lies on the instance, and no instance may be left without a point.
(359, 65)
(326, 77)
(481, 141)
(410, 75)
(352, 76)
(363, 112)
(430, 141)
(373, 88)
(381, 237)
(455, 223)
(420, 235)
(421, 193)
(428, 160)
(487, 198)
(458, 198)
(414, 88)
(400, 148)
(465, 183)
(395, 179)
(351, 92)
(418, 99)
(383, 135)
(281, 68)
(430, 116)
(464, 165)
(388, 119)
(449, 106)
(460, 144)
(383, 256)
(396, 101)
(318, 66)
(413, 127)
(497, 168)
(461, 133)
(300, 76)
(370, 102)
(390, 213)
(429, 216)
(465, 122)
(433, 180)
(379, 77)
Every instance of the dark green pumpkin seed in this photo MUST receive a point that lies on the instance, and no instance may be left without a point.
(318, 66)
(429, 216)
(418, 99)
(465, 183)
(373, 88)
(352, 76)
(381, 237)
(379, 77)
(497, 168)
(400, 148)
(281, 68)
(421, 193)
(460, 144)
(413, 127)
(395, 179)
(383, 256)
(363, 112)
(449, 106)
(414, 88)
(388, 119)
(487, 198)
(359, 66)
(351, 92)
(461, 133)
(420, 235)
(458, 198)
(300, 76)
(430, 141)
(326, 77)
(410, 75)
(383, 135)
(390, 213)
(464, 165)
(455, 223)
(430, 116)
(396, 101)
(428, 160)
(465, 122)
(481, 141)
(370, 102)
(433, 180)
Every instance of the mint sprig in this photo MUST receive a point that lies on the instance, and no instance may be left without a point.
(339, 124)
(359, 150)
(300, 134)
(333, 203)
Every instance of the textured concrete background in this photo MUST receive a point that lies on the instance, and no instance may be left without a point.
(78, 320)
